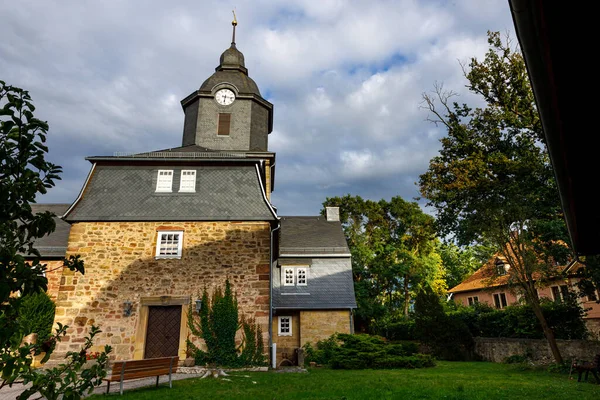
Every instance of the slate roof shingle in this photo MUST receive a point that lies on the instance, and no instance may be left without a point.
(312, 235)
(127, 193)
(329, 286)
(54, 244)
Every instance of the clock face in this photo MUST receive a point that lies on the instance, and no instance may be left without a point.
(225, 97)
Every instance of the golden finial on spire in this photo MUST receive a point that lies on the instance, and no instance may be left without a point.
(234, 23)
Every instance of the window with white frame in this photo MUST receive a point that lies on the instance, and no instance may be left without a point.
(188, 181)
(294, 276)
(169, 244)
(288, 276)
(285, 326)
(500, 300)
(301, 277)
(164, 181)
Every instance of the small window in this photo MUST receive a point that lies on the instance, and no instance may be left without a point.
(473, 300)
(301, 274)
(188, 181)
(560, 293)
(164, 182)
(288, 277)
(500, 300)
(285, 326)
(224, 124)
(501, 267)
(169, 244)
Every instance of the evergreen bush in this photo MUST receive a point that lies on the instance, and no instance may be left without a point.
(447, 338)
(217, 324)
(362, 351)
(36, 315)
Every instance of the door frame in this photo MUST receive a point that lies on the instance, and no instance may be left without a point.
(142, 323)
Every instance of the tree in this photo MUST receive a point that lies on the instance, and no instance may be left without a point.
(393, 247)
(493, 181)
(25, 173)
(461, 262)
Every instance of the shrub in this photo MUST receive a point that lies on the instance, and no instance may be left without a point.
(447, 338)
(218, 324)
(361, 351)
(519, 321)
(403, 329)
(36, 315)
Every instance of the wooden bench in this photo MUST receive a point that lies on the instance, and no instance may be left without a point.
(587, 367)
(135, 369)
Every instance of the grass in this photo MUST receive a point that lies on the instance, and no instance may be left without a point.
(448, 380)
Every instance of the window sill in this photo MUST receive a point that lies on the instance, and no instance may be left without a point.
(167, 257)
(285, 334)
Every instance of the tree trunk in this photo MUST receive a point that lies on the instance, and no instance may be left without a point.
(548, 332)
(406, 296)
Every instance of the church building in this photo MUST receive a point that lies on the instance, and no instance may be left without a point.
(156, 228)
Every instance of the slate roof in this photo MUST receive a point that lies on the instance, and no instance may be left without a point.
(329, 285)
(55, 244)
(127, 193)
(192, 151)
(312, 235)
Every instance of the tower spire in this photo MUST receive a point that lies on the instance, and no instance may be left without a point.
(234, 23)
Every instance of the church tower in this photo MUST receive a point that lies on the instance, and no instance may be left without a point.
(228, 112)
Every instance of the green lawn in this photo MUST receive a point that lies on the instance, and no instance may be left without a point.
(449, 380)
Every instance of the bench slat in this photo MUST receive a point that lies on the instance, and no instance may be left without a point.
(142, 363)
(138, 368)
(137, 375)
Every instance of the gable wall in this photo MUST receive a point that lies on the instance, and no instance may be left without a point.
(120, 266)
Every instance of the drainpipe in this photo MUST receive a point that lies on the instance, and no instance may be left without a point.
(351, 321)
(271, 290)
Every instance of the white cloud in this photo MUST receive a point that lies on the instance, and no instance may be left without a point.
(345, 76)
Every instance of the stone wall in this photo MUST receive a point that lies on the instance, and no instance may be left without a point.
(120, 266)
(498, 349)
(53, 274)
(321, 324)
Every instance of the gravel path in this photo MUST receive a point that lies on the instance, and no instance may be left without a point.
(7, 393)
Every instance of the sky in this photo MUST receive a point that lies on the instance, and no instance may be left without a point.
(346, 79)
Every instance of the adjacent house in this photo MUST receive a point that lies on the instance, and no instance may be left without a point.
(156, 228)
(313, 294)
(489, 285)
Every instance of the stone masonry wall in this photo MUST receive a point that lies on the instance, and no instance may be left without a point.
(120, 266)
(53, 274)
(497, 349)
(318, 325)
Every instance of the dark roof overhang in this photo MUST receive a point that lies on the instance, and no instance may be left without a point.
(553, 37)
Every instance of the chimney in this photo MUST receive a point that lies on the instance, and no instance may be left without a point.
(332, 213)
